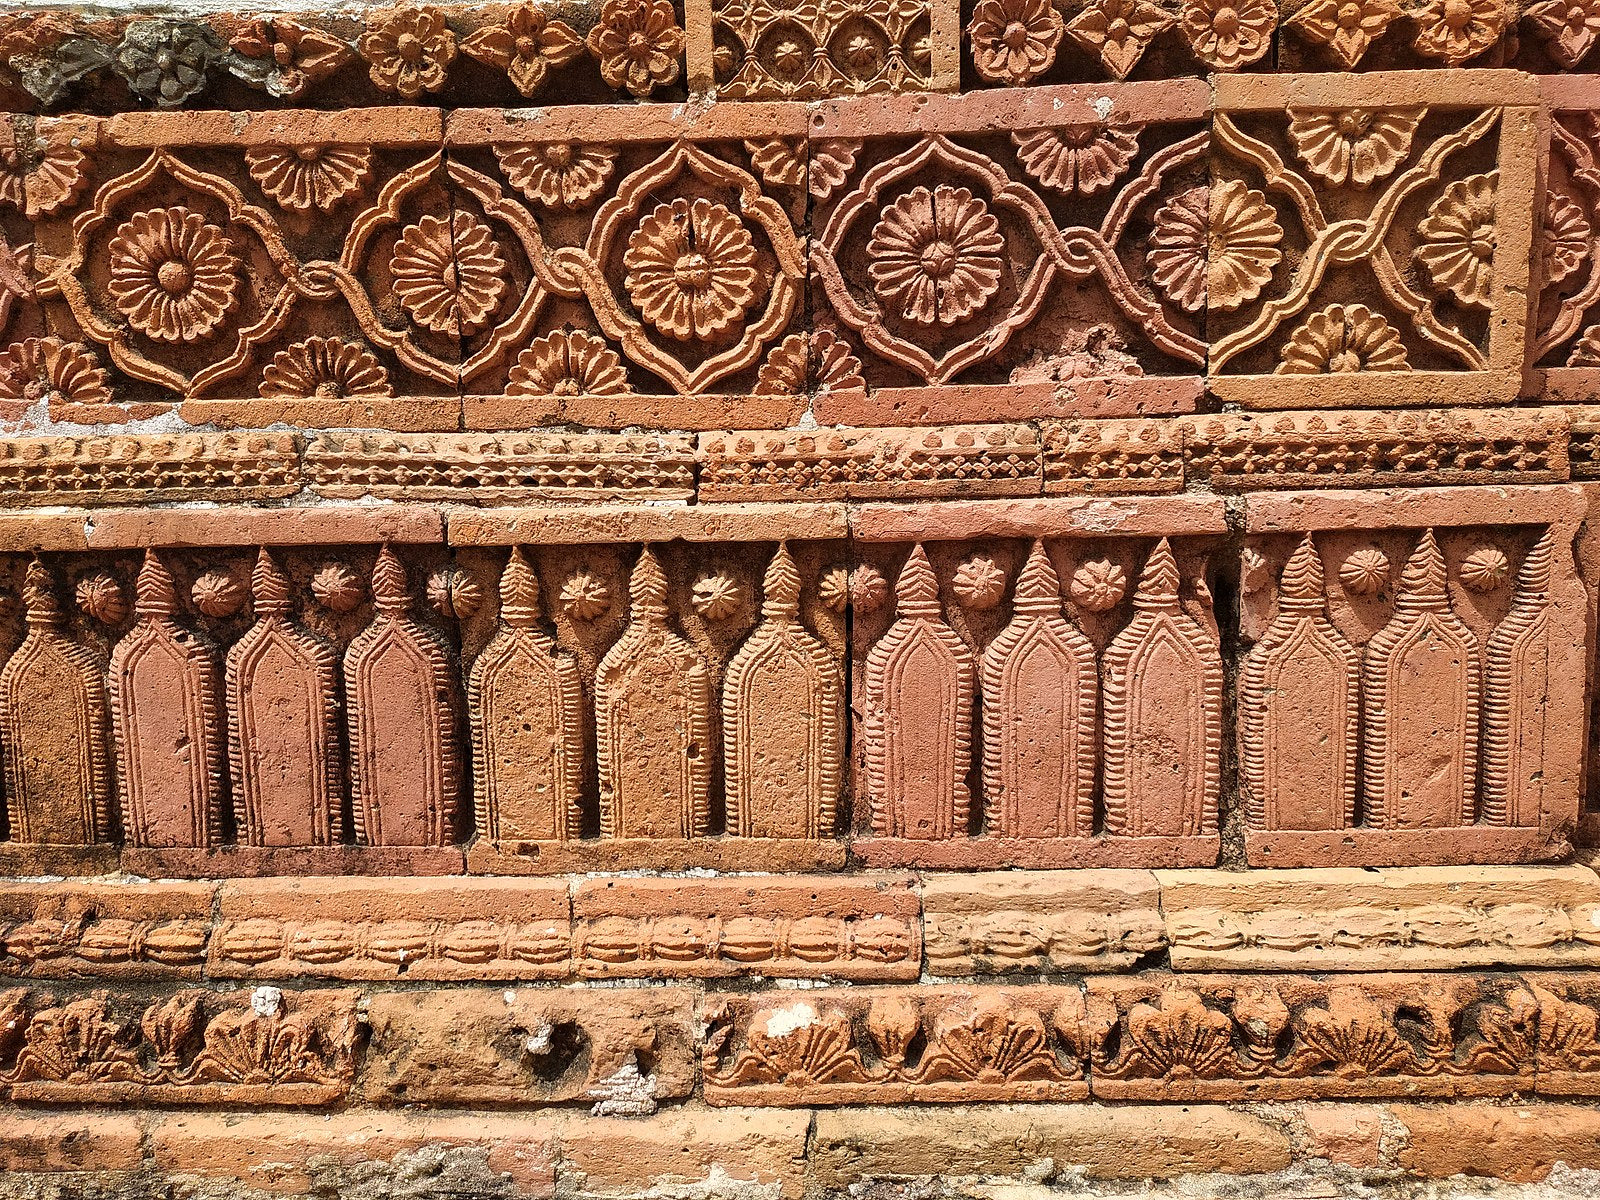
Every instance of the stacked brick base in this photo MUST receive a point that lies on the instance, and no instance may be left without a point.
(948, 598)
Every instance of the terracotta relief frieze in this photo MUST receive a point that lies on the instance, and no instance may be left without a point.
(1193, 1038)
(124, 469)
(264, 1048)
(1034, 682)
(1209, 1037)
(866, 928)
(452, 54)
(1426, 200)
(1408, 918)
(1038, 701)
(652, 49)
(1413, 670)
(1041, 229)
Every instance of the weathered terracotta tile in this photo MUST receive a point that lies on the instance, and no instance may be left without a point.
(1138, 457)
(694, 688)
(390, 929)
(1441, 319)
(866, 928)
(1093, 748)
(135, 469)
(1267, 1037)
(244, 1049)
(1048, 288)
(1053, 517)
(1351, 1135)
(621, 1049)
(62, 930)
(286, 1154)
(621, 1156)
(1564, 330)
(1567, 1054)
(1519, 1142)
(63, 1142)
(237, 525)
(1244, 452)
(1426, 672)
(55, 725)
(839, 463)
(1400, 919)
(1001, 924)
(894, 1046)
(30, 532)
(603, 522)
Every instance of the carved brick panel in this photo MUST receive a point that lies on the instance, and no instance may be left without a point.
(865, 928)
(1564, 339)
(1043, 700)
(1408, 695)
(1371, 239)
(1189, 1038)
(1050, 284)
(754, 50)
(266, 310)
(192, 1047)
(661, 255)
(368, 929)
(58, 930)
(619, 1049)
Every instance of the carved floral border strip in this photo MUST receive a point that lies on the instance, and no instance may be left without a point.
(626, 48)
(1180, 1039)
(502, 271)
(191, 1046)
(637, 48)
(1175, 1039)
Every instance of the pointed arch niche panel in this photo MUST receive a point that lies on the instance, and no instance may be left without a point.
(1039, 683)
(1412, 687)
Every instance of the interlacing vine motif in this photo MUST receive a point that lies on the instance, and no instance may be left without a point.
(1427, 241)
(963, 256)
(1568, 333)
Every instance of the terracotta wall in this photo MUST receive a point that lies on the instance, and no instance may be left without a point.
(632, 594)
